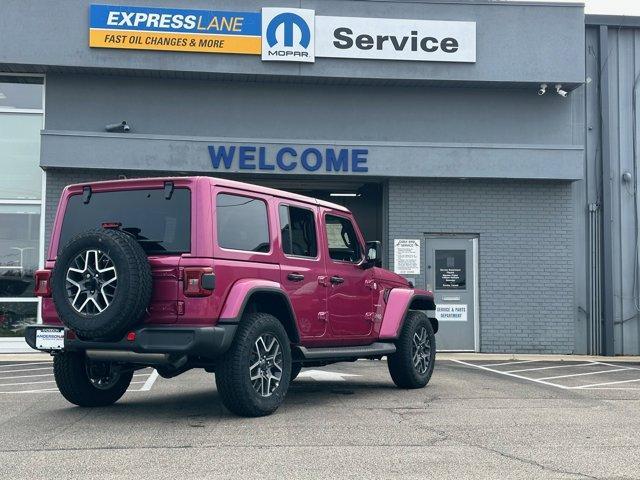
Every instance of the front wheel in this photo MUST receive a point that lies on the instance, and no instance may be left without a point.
(412, 364)
(89, 384)
(254, 376)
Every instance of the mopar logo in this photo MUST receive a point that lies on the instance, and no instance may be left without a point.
(288, 34)
(288, 20)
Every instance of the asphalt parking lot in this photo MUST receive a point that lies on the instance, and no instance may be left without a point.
(476, 419)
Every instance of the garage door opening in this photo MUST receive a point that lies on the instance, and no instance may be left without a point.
(364, 199)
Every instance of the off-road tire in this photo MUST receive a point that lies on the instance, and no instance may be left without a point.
(232, 374)
(401, 365)
(70, 372)
(295, 371)
(133, 291)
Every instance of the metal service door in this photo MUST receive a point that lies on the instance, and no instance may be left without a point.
(452, 275)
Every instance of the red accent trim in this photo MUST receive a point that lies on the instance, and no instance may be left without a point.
(42, 283)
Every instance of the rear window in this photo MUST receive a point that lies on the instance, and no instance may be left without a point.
(161, 226)
(242, 223)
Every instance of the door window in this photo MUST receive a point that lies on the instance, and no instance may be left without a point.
(242, 223)
(298, 231)
(342, 239)
(451, 269)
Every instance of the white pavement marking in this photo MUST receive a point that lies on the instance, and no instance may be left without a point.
(324, 376)
(509, 363)
(23, 364)
(25, 383)
(28, 376)
(43, 390)
(26, 370)
(512, 375)
(150, 381)
(555, 366)
(608, 383)
(612, 365)
(588, 373)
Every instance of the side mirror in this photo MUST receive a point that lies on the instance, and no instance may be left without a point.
(374, 254)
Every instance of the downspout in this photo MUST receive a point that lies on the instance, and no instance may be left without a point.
(607, 198)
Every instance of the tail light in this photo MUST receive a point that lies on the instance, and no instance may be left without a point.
(43, 283)
(199, 282)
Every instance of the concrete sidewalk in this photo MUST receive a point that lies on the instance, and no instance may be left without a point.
(18, 357)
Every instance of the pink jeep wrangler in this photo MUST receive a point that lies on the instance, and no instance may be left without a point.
(248, 282)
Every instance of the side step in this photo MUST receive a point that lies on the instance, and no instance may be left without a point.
(376, 349)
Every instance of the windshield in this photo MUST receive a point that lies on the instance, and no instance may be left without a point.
(161, 226)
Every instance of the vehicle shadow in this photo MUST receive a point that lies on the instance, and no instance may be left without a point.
(198, 406)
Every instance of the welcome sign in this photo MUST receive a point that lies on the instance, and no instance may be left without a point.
(281, 34)
(144, 28)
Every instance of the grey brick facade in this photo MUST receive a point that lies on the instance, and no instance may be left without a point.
(526, 253)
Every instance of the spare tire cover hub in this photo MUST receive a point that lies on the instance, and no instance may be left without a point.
(92, 281)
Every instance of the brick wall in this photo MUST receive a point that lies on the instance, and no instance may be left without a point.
(526, 253)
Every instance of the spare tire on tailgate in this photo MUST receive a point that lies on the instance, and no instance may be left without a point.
(101, 284)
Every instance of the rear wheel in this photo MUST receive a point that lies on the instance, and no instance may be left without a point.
(412, 364)
(89, 384)
(253, 378)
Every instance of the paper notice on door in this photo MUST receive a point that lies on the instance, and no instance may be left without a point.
(451, 313)
(406, 257)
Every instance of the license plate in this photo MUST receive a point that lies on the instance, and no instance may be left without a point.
(50, 339)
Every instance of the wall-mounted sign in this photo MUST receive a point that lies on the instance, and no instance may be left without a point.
(289, 34)
(288, 158)
(281, 34)
(406, 256)
(147, 28)
(451, 313)
(451, 269)
(395, 39)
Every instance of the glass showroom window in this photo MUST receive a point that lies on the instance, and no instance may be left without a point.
(21, 117)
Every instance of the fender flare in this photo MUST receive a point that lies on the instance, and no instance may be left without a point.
(241, 293)
(399, 302)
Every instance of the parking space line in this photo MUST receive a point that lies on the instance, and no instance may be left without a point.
(508, 374)
(24, 364)
(613, 365)
(587, 373)
(150, 381)
(42, 390)
(27, 376)
(509, 363)
(555, 366)
(609, 383)
(26, 369)
(25, 383)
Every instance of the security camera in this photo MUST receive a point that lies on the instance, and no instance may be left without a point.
(122, 127)
(560, 91)
(543, 89)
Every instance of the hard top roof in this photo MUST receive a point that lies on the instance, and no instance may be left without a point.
(247, 187)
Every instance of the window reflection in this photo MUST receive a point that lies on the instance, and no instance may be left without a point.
(19, 249)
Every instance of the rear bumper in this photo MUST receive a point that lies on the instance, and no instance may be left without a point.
(207, 342)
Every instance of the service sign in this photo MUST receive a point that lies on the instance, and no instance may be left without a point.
(146, 28)
(395, 39)
(281, 34)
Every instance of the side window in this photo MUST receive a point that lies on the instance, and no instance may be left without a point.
(298, 231)
(343, 242)
(242, 223)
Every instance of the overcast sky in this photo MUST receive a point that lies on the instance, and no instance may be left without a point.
(608, 7)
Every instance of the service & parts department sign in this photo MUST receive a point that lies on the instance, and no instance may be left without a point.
(281, 34)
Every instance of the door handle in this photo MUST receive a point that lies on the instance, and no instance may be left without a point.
(337, 280)
(295, 277)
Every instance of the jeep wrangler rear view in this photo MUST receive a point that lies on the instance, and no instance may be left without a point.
(246, 282)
